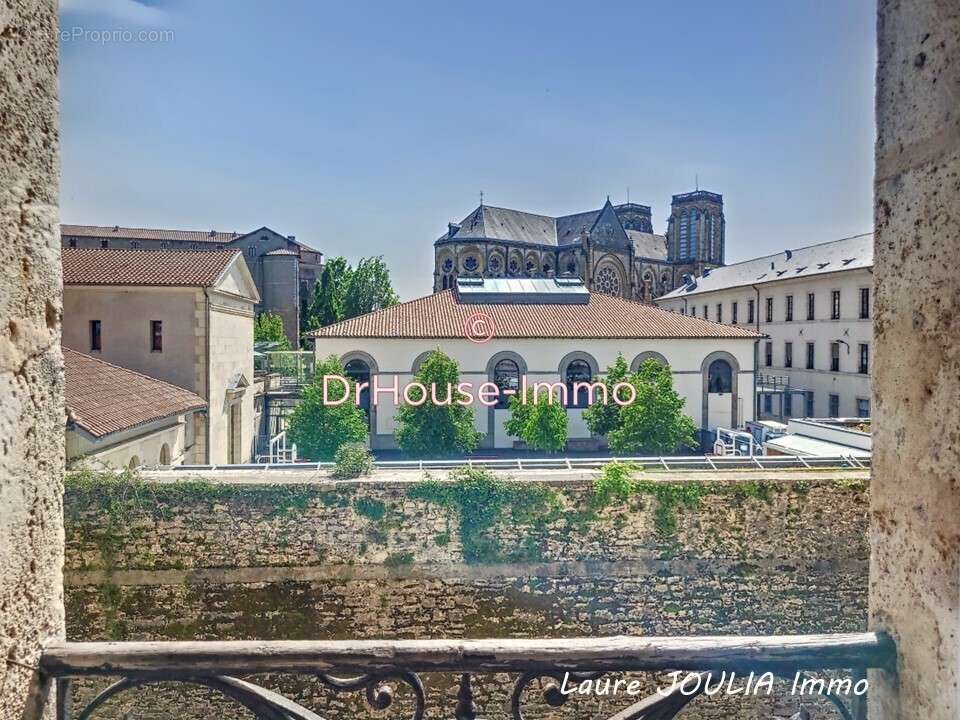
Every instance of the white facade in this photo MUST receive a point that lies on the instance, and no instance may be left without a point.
(163, 442)
(545, 360)
(824, 350)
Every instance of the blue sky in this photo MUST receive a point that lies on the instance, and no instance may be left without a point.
(363, 128)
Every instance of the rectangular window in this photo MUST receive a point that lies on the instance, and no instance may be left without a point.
(769, 354)
(156, 336)
(788, 315)
(770, 309)
(811, 306)
(693, 311)
(864, 303)
(768, 404)
(810, 356)
(72, 242)
(808, 396)
(705, 312)
(788, 404)
(834, 406)
(788, 355)
(863, 408)
(95, 336)
(834, 357)
(835, 305)
(104, 244)
(750, 312)
(864, 365)
(719, 312)
(733, 313)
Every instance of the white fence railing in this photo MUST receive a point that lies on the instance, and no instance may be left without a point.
(676, 462)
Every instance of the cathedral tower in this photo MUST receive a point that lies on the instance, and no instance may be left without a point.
(695, 231)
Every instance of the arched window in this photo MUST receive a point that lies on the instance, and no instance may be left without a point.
(359, 372)
(447, 265)
(577, 371)
(694, 232)
(165, 454)
(720, 377)
(134, 463)
(684, 237)
(506, 376)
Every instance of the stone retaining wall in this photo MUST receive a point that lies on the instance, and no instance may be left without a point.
(740, 553)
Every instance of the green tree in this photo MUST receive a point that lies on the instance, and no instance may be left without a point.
(269, 328)
(319, 428)
(541, 424)
(601, 417)
(325, 307)
(369, 288)
(654, 423)
(431, 428)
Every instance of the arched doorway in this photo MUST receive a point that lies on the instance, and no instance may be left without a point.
(720, 406)
(360, 368)
(165, 454)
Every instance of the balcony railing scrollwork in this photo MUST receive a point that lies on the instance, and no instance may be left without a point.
(376, 668)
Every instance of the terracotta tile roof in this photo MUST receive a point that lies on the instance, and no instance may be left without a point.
(442, 315)
(197, 268)
(106, 232)
(103, 398)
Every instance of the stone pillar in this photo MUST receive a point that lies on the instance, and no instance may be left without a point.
(915, 504)
(31, 366)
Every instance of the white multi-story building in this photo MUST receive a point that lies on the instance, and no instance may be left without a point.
(815, 306)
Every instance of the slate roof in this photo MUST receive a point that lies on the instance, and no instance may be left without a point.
(196, 268)
(442, 315)
(495, 223)
(106, 232)
(103, 398)
(844, 254)
(648, 245)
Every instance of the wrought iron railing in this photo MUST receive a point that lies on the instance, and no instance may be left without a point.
(376, 668)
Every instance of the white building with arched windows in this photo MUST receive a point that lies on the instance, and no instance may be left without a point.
(544, 330)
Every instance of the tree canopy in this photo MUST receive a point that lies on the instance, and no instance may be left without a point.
(343, 292)
(431, 428)
(654, 423)
(269, 328)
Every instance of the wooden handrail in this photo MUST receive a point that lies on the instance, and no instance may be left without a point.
(241, 657)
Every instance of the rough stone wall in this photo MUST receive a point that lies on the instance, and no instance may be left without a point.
(31, 382)
(744, 555)
(915, 531)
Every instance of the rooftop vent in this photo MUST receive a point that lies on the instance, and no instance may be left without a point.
(788, 253)
(453, 227)
(761, 277)
(847, 261)
(706, 272)
(780, 272)
(292, 238)
(771, 265)
(213, 233)
(821, 266)
(801, 269)
(116, 228)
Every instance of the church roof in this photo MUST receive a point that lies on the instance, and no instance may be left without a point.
(845, 254)
(648, 245)
(445, 315)
(487, 222)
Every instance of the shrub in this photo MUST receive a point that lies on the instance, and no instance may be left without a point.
(615, 483)
(431, 429)
(352, 460)
(541, 424)
(319, 429)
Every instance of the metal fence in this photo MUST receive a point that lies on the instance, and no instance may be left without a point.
(676, 462)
